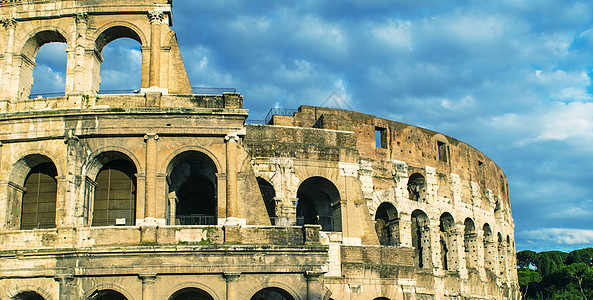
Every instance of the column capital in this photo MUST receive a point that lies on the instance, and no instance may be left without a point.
(70, 137)
(231, 276)
(81, 17)
(147, 277)
(64, 278)
(313, 275)
(148, 136)
(9, 23)
(156, 17)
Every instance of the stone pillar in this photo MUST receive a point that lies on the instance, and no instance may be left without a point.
(314, 287)
(156, 21)
(14, 196)
(150, 210)
(78, 72)
(68, 211)
(67, 289)
(231, 284)
(221, 197)
(7, 77)
(148, 280)
(231, 178)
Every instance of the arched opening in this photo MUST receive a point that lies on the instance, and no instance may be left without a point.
(192, 189)
(39, 200)
(115, 192)
(387, 224)
(28, 295)
(191, 294)
(319, 204)
(470, 244)
(448, 243)
(28, 63)
(417, 187)
(49, 74)
(120, 60)
(107, 295)
(502, 267)
(272, 294)
(381, 298)
(421, 239)
(268, 194)
(489, 250)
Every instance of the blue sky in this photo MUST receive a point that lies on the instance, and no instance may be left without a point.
(511, 77)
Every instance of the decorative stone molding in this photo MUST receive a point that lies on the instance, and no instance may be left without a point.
(9, 23)
(81, 18)
(156, 17)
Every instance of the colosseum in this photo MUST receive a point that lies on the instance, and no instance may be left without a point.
(170, 194)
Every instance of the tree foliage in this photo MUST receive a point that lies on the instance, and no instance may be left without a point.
(556, 274)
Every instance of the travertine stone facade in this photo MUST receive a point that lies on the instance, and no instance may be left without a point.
(169, 195)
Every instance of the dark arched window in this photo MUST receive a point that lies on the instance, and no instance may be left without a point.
(107, 295)
(319, 203)
(115, 194)
(470, 244)
(421, 239)
(191, 294)
(417, 187)
(387, 224)
(29, 295)
(272, 294)
(39, 200)
(448, 242)
(192, 189)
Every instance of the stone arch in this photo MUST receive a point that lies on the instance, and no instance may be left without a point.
(272, 293)
(319, 203)
(111, 192)
(191, 285)
(417, 187)
(387, 224)
(502, 266)
(118, 29)
(274, 284)
(191, 293)
(91, 293)
(28, 292)
(268, 194)
(164, 168)
(36, 39)
(192, 188)
(448, 238)
(32, 193)
(421, 240)
(103, 155)
(470, 244)
(489, 247)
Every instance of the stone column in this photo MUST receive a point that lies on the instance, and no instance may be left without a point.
(68, 216)
(231, 179)
(314, 291)
(231, 284)
(150, 183)
(148, 280)
(156, 21)
(76, 67)
(7, 79)
(66, 290)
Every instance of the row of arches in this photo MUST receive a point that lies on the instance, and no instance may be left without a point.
(271, 293)
(47, 42)
(111, 184)
(110, 190)
(495, 251)
(318, 203)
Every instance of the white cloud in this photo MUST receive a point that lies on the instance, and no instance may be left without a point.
(562, 236)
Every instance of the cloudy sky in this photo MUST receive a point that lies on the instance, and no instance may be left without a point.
(510, 77)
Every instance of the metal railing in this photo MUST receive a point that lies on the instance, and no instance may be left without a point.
(196, 219)
(280, 112)
(211, 90)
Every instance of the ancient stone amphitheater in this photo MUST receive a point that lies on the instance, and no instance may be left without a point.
(167, 194)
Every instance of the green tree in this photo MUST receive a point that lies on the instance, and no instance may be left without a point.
(527, 277)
